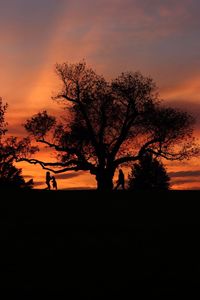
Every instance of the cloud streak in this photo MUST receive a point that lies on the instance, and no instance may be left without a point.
(68, 175)
(195, 173)
(185, 179)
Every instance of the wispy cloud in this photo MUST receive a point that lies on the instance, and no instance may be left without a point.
(185, 179)
(69, 175)
(185, 174)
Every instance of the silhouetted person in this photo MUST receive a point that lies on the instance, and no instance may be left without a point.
(54, 183)
(48, 179)
(120, 180)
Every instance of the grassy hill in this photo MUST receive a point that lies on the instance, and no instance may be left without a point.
(87, 244)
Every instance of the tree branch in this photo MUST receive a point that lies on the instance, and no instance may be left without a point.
(78, 165)
(125, 160)
(143, 149)
(52, 164)
(169, 156)
(61, 170)
(87, 120)
(58, 148)
(66, 97)
(124, 131)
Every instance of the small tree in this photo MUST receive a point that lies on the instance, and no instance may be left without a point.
(11, 177)
(11, 149)
(109, 124)
(148, 174)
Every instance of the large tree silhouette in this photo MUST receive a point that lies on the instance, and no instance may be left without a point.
(107, 124)
(11, 150)
(148, 174)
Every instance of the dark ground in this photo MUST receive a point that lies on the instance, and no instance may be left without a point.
(83, 244)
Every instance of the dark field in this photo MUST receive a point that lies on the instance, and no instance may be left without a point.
(83, 244)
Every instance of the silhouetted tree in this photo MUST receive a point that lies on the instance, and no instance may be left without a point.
(11, 177)
(148, 174)
(3, 124)
(12, 149)
(109, 124)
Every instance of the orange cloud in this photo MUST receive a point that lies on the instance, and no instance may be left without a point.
(187, 90)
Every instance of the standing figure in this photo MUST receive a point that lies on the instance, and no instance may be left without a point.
(48, 179)
(120, 180)
(54, 183)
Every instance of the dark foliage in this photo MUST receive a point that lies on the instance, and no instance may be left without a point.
(11, 149)
(11, 177)
(148, 174)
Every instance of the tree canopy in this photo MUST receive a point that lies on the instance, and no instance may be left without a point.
(107, 124)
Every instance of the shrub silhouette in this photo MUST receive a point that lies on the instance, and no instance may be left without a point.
(148, 174)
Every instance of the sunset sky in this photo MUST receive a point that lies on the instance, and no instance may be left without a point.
(160, 38)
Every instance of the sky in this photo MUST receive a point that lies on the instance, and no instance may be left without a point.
(160, 38)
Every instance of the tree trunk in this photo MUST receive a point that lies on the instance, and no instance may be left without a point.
(104, 180)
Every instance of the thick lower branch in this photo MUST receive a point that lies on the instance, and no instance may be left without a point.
(52, 164)
(47, 165)
(72, 165)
